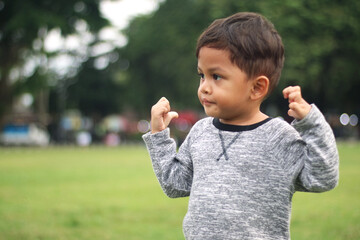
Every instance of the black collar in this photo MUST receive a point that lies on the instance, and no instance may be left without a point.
(237, 128)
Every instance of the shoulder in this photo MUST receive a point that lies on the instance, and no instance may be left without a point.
(200, 127)
(284, 143)
(197, 130)
(278, 130)
(204, 122)
(278, 125)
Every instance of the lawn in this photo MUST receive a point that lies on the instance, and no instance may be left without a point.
(104, 193)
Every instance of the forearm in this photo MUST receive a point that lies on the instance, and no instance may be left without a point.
(174, 175)
(321, 164)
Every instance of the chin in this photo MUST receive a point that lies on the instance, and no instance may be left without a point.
(212, 114)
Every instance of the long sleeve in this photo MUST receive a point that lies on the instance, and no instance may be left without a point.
(307, 152)
(173, 170)
(320, 170)
(242, 178)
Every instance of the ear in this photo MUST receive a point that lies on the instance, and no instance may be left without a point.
(260, 88)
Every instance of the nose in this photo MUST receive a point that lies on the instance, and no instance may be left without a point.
(204, 86)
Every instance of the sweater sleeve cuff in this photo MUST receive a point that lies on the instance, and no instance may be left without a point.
(310, 120)
(153, 139)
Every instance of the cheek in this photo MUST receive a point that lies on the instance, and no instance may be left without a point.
(199, 94)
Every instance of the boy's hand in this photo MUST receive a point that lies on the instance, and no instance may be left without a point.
(299, 108)
(161, 115)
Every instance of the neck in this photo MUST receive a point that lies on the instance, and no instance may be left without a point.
(249, 119)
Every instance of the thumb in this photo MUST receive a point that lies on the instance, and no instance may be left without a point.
(170, 116)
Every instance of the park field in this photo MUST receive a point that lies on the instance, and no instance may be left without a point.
(72, 193)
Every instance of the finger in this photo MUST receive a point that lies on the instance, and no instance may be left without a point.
(162, 102)
(158, 116)
(170, 116)
(299, 110)
(295, 96)
(286, 92)
(292, 113)
(158, 110)
(163, 99)
(294, 110)
(289, 90)
(161, 107)
(165, 103)
(295, 106)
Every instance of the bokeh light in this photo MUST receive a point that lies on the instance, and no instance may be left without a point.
(344, 119)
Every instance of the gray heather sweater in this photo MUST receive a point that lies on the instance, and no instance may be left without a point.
(241, 179)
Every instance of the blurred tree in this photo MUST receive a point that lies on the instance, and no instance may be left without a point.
(321, 42)
(24, 26)
(322, 51)
(160, 50)
(95, 92)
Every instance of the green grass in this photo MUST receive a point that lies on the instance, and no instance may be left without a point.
(334, 214)
(103, 193)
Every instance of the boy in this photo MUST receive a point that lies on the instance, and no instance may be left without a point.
(239, 166)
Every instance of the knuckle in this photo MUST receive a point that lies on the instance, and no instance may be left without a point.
(164, 99)
(155, 109)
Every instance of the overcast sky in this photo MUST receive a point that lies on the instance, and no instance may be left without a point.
(121, 11)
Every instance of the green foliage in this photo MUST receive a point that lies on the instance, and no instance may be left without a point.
(161, 51)
(73, 193)
(321, 46)
(24, 22)
(320, 37)
(95, 92)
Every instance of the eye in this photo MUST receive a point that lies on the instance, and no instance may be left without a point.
(216, 77)
(202, 76)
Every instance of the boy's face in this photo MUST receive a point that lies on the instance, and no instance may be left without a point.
(224, 89)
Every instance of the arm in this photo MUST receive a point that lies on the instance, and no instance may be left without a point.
(320, 171)
(173, 170)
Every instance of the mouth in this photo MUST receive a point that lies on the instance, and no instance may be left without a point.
(206, 102)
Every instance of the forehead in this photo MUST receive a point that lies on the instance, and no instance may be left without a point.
(212, 57)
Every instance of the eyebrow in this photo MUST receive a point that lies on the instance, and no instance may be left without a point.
(213, 69)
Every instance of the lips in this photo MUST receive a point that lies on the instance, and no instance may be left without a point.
(206, 102)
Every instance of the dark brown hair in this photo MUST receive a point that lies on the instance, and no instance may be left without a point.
(254, 44)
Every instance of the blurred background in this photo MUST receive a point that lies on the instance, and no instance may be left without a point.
(88, 72)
